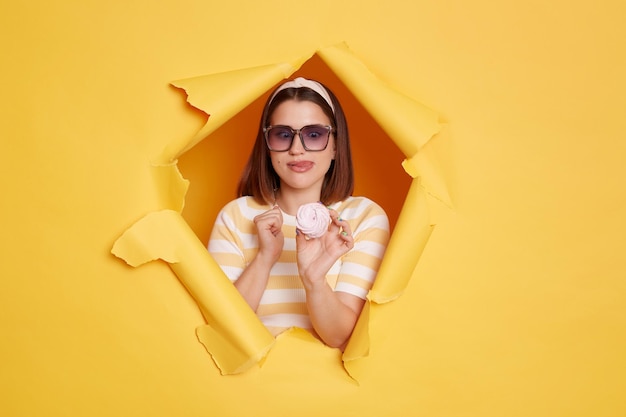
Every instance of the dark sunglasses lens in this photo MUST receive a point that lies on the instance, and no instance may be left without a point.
(315, 137)
(279, 138)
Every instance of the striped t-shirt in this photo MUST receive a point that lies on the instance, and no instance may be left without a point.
(234, 244)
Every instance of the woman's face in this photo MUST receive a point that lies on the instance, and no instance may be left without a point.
(298, 168)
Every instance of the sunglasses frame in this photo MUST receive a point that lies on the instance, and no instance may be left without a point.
(330, 130)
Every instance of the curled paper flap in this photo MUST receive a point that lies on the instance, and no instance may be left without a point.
(409, 123)
(233, 335)
(423, 165)
(171, 185)
(406, 245)
(404, 250)
(223, 95)
(359, 345)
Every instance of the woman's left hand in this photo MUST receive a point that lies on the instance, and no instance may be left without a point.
(317, 256)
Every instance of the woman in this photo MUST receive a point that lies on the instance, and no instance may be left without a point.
(301, 155)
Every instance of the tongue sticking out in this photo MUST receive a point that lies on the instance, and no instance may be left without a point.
(300, 166)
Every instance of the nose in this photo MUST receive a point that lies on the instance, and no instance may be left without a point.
(296, 145)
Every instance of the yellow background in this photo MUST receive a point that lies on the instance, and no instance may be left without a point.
(517, 306)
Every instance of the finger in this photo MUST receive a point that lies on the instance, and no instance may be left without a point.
(275, 230)
(300, 238)
(345, 226)
(347, 238)
(335, 222)
(272, 216)
(340, 224)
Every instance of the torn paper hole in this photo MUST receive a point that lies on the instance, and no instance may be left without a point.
(233, 335)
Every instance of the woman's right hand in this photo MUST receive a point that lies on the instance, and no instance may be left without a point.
(271, 239)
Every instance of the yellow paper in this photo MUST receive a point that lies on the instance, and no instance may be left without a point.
(409, 123)
(233, 335)
(405, 247)
(516, 306)
(170, 184)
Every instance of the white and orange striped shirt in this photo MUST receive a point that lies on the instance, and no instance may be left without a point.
(234, 244)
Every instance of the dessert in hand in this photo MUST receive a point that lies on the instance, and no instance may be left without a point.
(313, 219)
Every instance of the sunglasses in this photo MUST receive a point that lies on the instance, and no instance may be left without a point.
(314, 138)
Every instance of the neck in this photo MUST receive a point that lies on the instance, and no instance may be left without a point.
(290, 201)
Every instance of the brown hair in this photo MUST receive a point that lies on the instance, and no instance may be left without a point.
(259, 179)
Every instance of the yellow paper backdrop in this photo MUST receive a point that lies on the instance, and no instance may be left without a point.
(517, 306)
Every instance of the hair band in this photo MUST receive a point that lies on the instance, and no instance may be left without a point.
(303, 82)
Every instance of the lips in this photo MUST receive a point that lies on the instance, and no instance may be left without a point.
(300, 166)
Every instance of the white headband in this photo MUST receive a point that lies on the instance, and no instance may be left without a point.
(303, 82)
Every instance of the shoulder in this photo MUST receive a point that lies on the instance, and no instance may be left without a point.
(360, 209)
(243, 208)
(360, 204)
